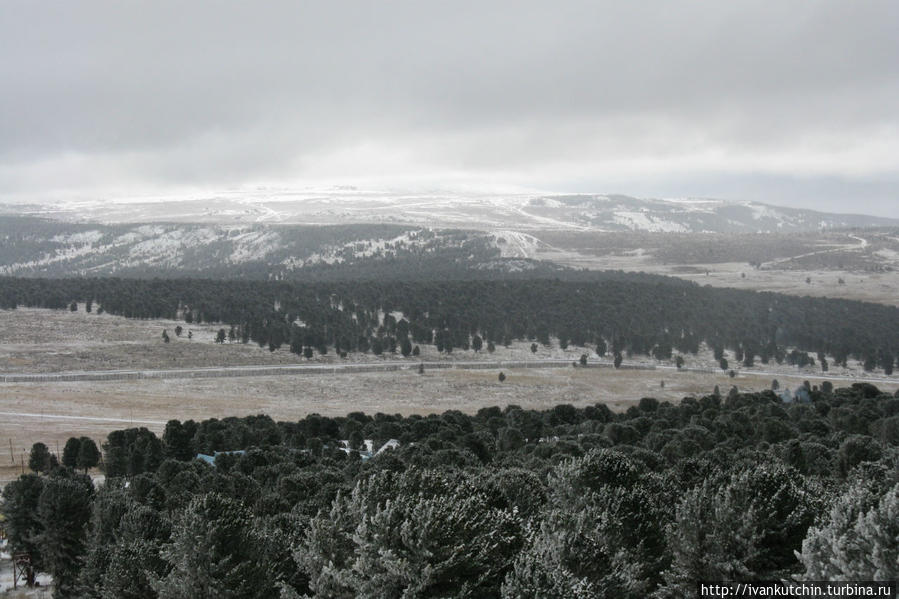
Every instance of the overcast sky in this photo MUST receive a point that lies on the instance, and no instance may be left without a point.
(790, 102)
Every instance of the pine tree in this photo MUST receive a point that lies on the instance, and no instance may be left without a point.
(40, 459)
(64, 509)
(213, 553)
(22, 523)
(88, 454)
(858, 541)
(70, 452)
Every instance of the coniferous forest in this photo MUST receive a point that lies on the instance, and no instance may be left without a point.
(614, 312)
(508, 502)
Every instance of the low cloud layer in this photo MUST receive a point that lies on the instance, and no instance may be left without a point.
(791, 102)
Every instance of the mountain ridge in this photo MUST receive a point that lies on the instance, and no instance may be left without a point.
(593, 212)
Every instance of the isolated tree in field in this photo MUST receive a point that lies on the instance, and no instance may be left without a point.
(190, 335)
(88, 454)
(502, 376)
(775, 385)
(533, 348)
(421, 368)
(40, 459)
(406, 347)
(723, 363)
(491, 347)
(70, 452)
(165, 336)
(89, 306)
(477, 343)
(679, 361)
(232, 334)
(220, 336)
(583, 359)
(307, 352)
(73, 307)
(416, 351)
(178, 330)
(618, 360)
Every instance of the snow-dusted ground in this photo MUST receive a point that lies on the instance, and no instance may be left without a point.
(44, 581)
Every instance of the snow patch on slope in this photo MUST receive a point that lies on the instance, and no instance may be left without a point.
(514, 244)
(640, 221)
(253, 245)
(78, 238)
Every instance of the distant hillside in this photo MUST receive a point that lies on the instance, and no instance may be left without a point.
(623, 213)
(446, 210)
(43, 247)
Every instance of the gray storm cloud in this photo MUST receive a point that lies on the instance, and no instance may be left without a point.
(789, 101)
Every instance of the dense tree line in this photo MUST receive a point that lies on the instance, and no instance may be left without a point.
(612, 311)
(564, 502)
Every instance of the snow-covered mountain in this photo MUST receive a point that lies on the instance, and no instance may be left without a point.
(44, 247)
(517, 211)
(623, 213)
(276, 234)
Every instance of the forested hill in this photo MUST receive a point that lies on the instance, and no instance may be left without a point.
(507, 503)
(616, 312)
(42, 247)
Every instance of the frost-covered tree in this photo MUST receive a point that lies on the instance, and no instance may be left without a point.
(414, 534)
(746, 527)
(858, 541)
(602, 535)
(212, 553)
